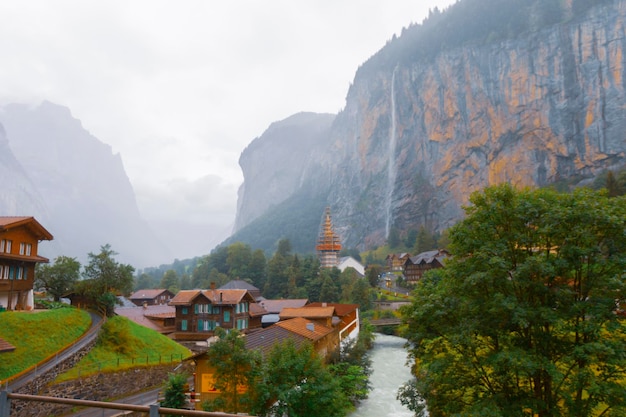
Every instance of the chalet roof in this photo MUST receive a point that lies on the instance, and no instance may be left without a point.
(147, 294)
(341, 310)
(11, 222)
(239, 284)
(307, 312)
(257, 310)
(6, 346)
(429, 257)
(303, 327)
(276, 306)
(216, 297)
(265, 339)
(145, 316)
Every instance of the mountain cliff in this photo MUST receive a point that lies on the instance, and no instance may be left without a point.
(53, 169)
(535, 101)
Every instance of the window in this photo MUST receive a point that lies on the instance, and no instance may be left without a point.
(183, 325)
(184, 310)
(5, 246)
(227, 316)
(216, 310)
(5, 273)
(242, 324)
(25, 249)
(206, 325)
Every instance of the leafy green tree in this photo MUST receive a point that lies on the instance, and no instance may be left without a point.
(105, 278)
(424, 242)
(347, 278)
(297, 384)
(278, 272)
(411, 238)
(362, 294)
(59, 278)
(329, 291)
(143, 281)
(175, 391)
(257, 269)
(522, 320)
(235, 370)
(393, 240)
(373, 274)
(238, 260)
(170, 281)
(185, 282)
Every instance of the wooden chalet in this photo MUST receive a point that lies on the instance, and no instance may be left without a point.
(200, 312)
(19, 244)
(416, 266)
(396, 261)
(345, 319)
(151, 297)
(299, 330)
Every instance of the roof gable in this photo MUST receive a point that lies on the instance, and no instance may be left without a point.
(34, 227)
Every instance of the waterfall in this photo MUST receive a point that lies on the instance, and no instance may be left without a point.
(391, 164)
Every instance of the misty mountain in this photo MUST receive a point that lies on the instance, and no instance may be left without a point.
(530, 92)
(55, 170)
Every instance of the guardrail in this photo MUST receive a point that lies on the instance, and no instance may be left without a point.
(155, 410)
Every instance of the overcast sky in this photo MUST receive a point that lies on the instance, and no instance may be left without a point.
(180, 88)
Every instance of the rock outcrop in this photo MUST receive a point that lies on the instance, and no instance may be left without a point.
(73, 184)
(418, 136)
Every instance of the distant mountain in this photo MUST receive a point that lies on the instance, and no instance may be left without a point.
(55, 170)
(530, 92)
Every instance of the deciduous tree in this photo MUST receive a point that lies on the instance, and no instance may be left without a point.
(522, 320)
(59, 278)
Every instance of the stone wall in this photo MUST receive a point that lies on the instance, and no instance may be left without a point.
(99, 387)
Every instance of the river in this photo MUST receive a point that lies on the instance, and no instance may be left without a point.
(389, 372)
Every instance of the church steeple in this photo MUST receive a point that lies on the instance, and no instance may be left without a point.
(328, 243)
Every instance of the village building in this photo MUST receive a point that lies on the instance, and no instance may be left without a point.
(350, 262)
(19, 246)
(200, 312)
(273, 308)
(301, 331)
(151, 297)
(396, 261)
(416, 266)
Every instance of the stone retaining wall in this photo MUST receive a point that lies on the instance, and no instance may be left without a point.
(99, 387)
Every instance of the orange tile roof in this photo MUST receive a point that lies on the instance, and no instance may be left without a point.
(308, 312)
(141, 315)
(304, 327)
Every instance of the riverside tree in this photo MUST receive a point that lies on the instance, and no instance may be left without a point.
(523, 320)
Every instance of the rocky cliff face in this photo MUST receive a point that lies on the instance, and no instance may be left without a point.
(73, 184)
(418, 136)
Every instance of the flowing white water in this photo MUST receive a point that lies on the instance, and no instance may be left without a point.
(391, 164)
(389, 373)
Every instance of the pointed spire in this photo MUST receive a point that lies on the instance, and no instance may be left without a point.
(328, 243)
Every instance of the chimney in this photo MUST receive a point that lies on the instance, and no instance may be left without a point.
(221, 296)
(310, 327)
(212, 285)
(324, 305)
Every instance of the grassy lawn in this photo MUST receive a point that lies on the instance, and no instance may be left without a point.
(38, 335)
(123, 344)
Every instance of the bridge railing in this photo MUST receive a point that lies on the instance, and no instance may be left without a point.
(155, 410)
